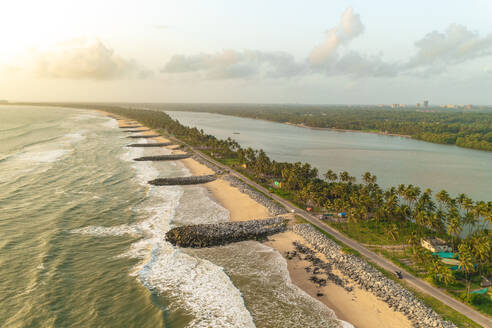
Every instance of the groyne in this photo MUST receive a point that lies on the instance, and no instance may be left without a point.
(157, 144)
(182, 180)
(372, 280)
(131, 126)
(144, 136)
(162, 157)
(135, 131)
(207, 235)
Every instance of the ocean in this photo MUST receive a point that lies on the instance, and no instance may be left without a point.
(82, 238)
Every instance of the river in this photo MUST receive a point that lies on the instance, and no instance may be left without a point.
(394, 160)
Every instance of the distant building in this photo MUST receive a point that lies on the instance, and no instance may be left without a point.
(450, 106)
(426, 103)
(418, 105)
(435, 245)
(468, 106)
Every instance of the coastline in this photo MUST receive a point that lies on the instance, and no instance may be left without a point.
(358, 307)
(347, 130)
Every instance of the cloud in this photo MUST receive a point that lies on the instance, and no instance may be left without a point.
(333, 57)
(84, 59)
(349, 28)
(357, 65)
(231, 64)
(456, 45)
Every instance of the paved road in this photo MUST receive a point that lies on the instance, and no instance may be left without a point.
(413, 281)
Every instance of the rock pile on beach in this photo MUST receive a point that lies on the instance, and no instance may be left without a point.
(207, 235)
(318, 269)
(272, 207)
(182, 180)
(372, 280)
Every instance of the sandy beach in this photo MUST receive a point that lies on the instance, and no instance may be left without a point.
(358, 307)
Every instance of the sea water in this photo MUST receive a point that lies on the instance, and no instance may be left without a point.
(82, 237)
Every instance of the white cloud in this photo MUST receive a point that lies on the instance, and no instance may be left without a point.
(231, 64)
(456, 45)
(84, 59)
(349, 28)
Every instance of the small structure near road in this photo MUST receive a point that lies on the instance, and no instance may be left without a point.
(435, 245)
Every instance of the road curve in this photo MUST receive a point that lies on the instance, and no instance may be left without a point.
(384, 263)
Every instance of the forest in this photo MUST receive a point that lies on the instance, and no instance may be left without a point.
(468, 129)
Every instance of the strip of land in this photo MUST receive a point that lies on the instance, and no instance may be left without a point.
(359, 307)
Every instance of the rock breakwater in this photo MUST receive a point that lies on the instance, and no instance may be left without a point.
(207, 235)
(182, 180)
(135, 131)
(162, 157)
(372, 280)
(144, 136)
(157, 144)
(131, 126)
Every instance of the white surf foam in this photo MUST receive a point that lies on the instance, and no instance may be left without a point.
(74, 137)
(111, 123)
(197, 285)
(47, 156)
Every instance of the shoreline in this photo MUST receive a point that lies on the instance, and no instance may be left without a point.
(358, 307)
(300, 125)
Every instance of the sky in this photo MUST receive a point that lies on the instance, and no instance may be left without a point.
(256, 51)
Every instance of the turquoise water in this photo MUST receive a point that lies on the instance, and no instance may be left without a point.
(82, 238)
(394, 160)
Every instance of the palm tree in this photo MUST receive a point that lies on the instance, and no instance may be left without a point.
(393, 231)
(413, 239)
(446, 275)
(481, 248)
(455, 227)
(466, 263)
(479, 210)
(345, 177)
(331, 176)
(443, 198)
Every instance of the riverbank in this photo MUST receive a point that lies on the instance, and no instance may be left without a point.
(356, 306)
(347, 130)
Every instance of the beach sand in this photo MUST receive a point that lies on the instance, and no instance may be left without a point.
(359, 307)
